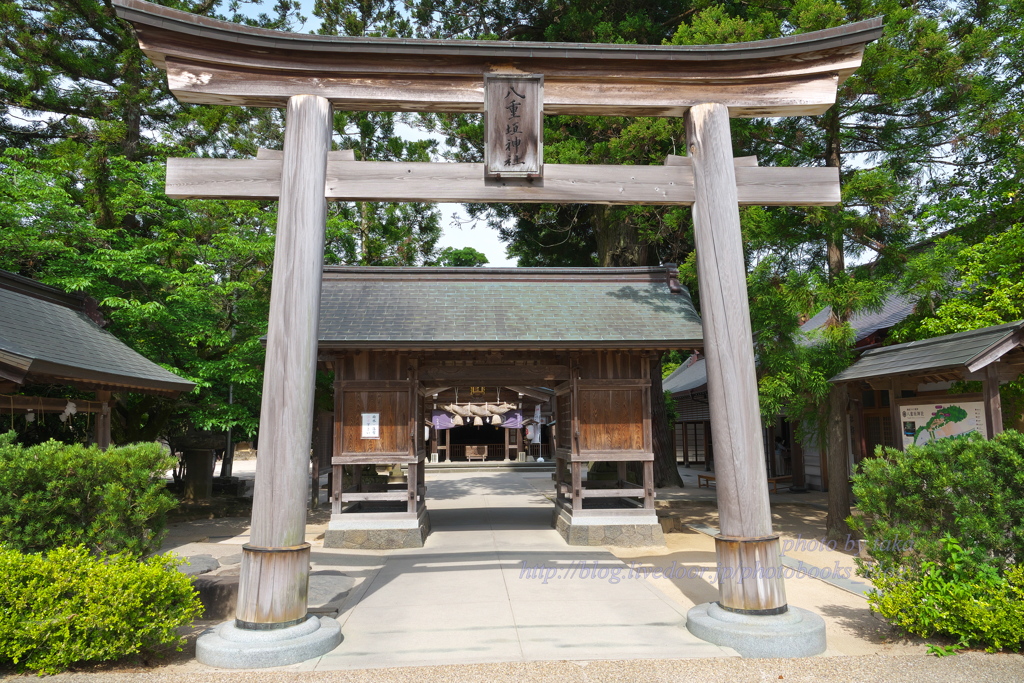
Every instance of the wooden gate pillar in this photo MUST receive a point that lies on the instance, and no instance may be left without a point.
(275, 563)
(749, 564)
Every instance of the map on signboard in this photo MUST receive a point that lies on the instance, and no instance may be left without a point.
(924, 422)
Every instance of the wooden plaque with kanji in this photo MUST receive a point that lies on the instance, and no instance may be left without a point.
(513, 125)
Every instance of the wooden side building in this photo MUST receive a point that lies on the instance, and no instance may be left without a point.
(51, 337)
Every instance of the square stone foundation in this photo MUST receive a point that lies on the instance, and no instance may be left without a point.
(377, 530)
(620, 528)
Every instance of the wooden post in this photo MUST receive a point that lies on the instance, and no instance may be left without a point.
(895, 393)
(314, 479)
(993, 403)
(275, 562)
(709, 457)
(103, 420)
(576, 473)
(648, 484)
(741, 480)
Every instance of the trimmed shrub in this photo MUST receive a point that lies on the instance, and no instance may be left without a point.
(974, 607)
(56, 494)
(71, 606)
(945, 524)
(966, 488)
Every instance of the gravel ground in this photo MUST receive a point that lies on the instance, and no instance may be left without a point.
(980, 668)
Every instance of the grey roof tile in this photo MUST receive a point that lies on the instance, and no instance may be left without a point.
(864, 323)
(535, 305)
(41, 326)
(947, 351)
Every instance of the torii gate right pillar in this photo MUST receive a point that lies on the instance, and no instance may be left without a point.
(751, 614)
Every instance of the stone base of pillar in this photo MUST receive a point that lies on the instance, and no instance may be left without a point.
(228, 647)
(620, 528)
(795, 633)
(377, 530)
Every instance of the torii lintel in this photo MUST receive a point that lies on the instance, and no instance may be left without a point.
(217, 62)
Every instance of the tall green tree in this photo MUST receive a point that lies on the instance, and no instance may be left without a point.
(928, 82)
(86, 123)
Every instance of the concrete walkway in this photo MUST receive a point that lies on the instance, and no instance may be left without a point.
(463, 609)
(495, 583)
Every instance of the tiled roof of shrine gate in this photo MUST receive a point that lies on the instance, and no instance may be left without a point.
(527, 308)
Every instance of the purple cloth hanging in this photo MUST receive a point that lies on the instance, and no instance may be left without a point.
(442, 419)
(513, 420)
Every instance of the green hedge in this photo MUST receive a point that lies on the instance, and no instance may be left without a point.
(975, 607)
(71, 606)
(967, 488)
(56, 494)
(944, 523)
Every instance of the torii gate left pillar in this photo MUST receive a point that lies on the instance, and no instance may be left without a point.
(272, 627)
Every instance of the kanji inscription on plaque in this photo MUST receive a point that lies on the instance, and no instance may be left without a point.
(513, 125)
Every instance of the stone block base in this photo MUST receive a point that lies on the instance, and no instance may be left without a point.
(219, 595)
(619, 528)
(377, 530)
(228, 647)
(796, 633)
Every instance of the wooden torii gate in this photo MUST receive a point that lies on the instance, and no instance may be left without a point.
(214, 62)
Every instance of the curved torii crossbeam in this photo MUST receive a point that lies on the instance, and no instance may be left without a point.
(215, 62)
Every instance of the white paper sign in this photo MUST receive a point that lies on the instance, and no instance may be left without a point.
(371, 425)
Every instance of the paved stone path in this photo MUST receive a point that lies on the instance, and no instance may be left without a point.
(495, 583)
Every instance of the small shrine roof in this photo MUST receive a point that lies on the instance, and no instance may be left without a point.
(48, 336)
(967, 351)
(522, 308)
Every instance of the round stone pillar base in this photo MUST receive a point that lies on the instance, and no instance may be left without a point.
(794, 633)
(229, 647)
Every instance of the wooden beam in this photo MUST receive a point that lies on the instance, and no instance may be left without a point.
(739, 162)
(532, 393)
(264, 154)
(443, 182)
(376, 496)
(613, 493)
(238, 86)
(431, 390)
(41, 404)
(491, 374)
(12, 374)
(375, 385)
(217, 62)
(996, 351)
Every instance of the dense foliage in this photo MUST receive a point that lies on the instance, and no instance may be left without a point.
(953, 598)
(943, 524)
(927, 136)
(967, 488)
(54, 495)
(69, 606)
